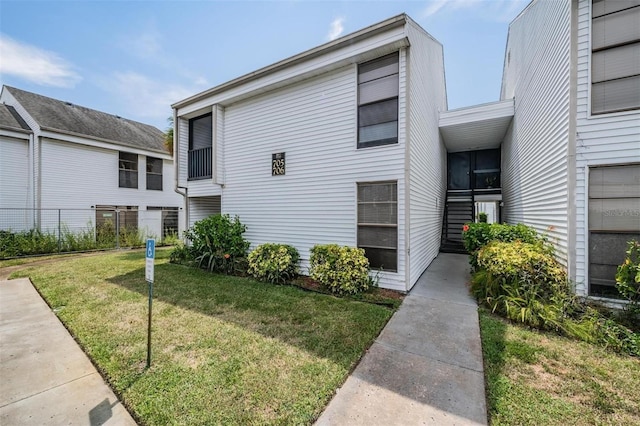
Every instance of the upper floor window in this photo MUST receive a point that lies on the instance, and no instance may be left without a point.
(154, 173)
(200, 143)
(378, 83)
(615, 56)
(128, 170)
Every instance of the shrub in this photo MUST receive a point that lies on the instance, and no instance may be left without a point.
(482, 217)
(181, 254)
(341, 269)
(519, 280)
(217, 243)
(628, 277)
(477, 235)
(274, 263)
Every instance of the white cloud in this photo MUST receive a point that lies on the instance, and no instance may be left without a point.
(146, 45)
(498, 10)
(145, 97)
(336, 28)
(35, 65)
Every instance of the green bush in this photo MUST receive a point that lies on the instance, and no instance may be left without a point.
(274, 263)
(518, 280)
(25, 243)
(628, 277)
(342, 269)
(477, 235)
(482, 217)
(217, 243)
(181, 254)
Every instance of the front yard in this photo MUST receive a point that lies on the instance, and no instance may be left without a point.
(226, 350)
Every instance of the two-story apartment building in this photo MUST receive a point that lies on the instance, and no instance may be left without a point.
(57, 155)
(339, 144)
(352, 143)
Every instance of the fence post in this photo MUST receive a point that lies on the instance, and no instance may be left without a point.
(117, 229)
(59, 233)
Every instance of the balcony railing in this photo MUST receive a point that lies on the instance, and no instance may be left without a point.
(199, 163)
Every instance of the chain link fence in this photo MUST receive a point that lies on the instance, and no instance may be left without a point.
(27, 232)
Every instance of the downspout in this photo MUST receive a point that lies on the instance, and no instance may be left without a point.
(176, 169)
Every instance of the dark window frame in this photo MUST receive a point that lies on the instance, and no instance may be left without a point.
(375, 225)
(385, 141)
(151, 175)
(127, 170)
(203, 169)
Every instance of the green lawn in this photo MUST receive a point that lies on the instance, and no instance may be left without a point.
(536, 378)
(226, 350)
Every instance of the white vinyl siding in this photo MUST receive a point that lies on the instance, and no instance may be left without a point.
(91, 175)
(602, 140)
(427, 154)
(535, 152)
(14, 172)
(315, 124)
(203, 207)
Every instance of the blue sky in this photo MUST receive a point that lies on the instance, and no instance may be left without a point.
(135, 58)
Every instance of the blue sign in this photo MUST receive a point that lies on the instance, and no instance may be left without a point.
(151, 249)
(151, 254)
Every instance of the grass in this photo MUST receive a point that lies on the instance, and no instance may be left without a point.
(226, 350)
(535, 378)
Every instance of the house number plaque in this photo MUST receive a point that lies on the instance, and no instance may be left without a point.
(277, 164)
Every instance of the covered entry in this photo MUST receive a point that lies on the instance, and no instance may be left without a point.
(473, 137)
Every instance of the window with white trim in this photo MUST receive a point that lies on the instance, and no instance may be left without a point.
(378, 223)
(615, 56)
(378, 88)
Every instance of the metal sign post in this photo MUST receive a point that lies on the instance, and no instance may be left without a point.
(150, 255)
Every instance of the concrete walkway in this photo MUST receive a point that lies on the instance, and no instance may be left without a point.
(426, 367)
(45, 378)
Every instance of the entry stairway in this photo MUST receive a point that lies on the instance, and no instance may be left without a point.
(458, 210)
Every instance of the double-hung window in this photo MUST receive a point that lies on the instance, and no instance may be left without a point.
(154, 173)
(200, 143)
(128, 170)
(615, 56)
(378, 223)
(378, 83)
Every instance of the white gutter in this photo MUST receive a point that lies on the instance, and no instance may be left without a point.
(176, 162)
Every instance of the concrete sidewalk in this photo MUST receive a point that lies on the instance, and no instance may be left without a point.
(426, 366)
(45, 378)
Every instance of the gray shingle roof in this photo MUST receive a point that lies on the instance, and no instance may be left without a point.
(52, 114)
(9, 119)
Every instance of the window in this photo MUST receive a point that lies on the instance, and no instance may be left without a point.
(614, 206)
(154, 173)
(378, 83)
(615, 56)
(378, 223)
(200, 143)
(128, 177)
(108, 218)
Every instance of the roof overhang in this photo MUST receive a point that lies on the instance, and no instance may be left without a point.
(477, 127)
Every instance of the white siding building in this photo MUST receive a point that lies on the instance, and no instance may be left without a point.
(85, 162)
(367, 154)
(571, 160)
(334, 145)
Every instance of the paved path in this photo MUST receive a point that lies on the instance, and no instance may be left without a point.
(45, 378)
(426, 367)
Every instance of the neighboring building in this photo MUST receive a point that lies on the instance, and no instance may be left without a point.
(352, 143)
(56, 155)
(571, 160)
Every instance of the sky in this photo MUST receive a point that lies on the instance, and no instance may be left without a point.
(135, 58)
